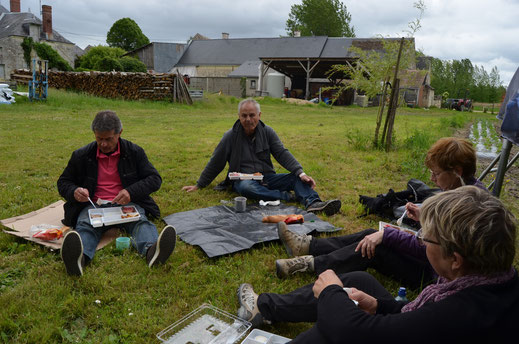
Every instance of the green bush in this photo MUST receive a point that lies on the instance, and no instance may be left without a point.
(95, 54)
(108, 64)
(132, 64)
(45, 52)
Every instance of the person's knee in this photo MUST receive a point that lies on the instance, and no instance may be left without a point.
(247, 187)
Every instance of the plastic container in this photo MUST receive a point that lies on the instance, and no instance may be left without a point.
(240, 204)
(402, 295)
(122, 243)
(263, 337)
(112, 216)
(206, 324)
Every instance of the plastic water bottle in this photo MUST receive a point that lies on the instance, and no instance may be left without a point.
(401, 295)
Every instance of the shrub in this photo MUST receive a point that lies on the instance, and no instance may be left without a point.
(108, 64)
(132, 64)
(45, 52)
(95, 54)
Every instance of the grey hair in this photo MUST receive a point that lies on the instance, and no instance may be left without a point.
(107, 121)
(473, 223)
(249, 100)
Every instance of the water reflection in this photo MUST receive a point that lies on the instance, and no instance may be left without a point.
(483, 138)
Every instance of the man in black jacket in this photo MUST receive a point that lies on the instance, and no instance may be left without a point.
(117, 170)
(247, 148)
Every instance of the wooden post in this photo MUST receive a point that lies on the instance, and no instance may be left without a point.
(381, 111)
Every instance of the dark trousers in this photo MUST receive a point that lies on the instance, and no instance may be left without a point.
(338, 254)
(300, 305)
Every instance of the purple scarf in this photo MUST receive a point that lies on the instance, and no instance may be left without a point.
(444, 288)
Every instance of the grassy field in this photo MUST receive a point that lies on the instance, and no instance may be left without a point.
(120, 300)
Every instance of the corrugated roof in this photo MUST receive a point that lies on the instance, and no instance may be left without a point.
(239, 50)
(17, 24)
(246, 69)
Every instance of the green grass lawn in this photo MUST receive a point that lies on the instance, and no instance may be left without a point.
(120, 300)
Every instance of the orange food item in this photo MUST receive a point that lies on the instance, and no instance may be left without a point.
(292, 218)
(49, 234)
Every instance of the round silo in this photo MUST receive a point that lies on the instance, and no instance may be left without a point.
(275, 84)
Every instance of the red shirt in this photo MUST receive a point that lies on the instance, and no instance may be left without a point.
(108, 180)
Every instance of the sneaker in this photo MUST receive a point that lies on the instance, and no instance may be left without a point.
(72, 253)
(160, 251)
(286, 267)
(248, 310)
(330, 207)
(295, 244)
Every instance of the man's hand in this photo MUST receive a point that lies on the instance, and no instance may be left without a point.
(81, 194)
(190, 188)
(368, 243)
(366, 302)
(308, 180)
(325, 279)
(413, 211)
(123, 197)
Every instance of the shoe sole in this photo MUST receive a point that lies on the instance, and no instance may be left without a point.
(165, 246)
(72, 253)
(282, 228)
(330, 208)
(279, 273)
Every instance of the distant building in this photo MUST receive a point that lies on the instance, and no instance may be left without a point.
(16, 25)
(159, 57)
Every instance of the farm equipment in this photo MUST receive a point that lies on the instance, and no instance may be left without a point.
(460, 104)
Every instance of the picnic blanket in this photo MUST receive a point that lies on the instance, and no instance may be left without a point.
(52, 214)
(220, 230)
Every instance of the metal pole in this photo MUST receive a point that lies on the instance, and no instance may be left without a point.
(501, 169)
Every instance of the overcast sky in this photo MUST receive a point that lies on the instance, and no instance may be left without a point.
(482, 30)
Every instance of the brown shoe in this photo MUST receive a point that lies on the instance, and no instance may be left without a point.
(286, 267)
(295, 244)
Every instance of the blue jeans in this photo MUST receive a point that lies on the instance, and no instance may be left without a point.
(277, 186)
(143, 233)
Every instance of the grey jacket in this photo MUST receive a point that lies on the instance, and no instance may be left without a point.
(248, 155)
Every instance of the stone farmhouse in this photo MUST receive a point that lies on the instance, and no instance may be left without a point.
(16, 25)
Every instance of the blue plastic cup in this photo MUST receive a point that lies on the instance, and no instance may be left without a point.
(122, 243)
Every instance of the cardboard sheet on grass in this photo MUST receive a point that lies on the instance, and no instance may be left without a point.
(51, 215)
(219, 230)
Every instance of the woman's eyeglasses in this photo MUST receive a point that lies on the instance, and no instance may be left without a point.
(423, 240)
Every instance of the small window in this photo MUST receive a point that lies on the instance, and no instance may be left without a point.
(253, 84)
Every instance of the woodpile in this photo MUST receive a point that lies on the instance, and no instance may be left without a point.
(129, 86)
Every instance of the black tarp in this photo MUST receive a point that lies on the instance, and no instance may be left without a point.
(219, 230)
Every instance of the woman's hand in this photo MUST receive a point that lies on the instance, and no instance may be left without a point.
(366, 302)
(368, 244)
(413, 211)
(325, 279)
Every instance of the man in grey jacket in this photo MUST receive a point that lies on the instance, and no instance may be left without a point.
(247, 148)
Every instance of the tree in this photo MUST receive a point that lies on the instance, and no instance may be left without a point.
(132, 64)
(126, 34)
(320, 18)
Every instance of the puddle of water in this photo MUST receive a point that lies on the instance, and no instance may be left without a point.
(483, 149)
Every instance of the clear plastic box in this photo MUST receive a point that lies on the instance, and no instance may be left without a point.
(205, 325)
(112, 216)
(263, 337)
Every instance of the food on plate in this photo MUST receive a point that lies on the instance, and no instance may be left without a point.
(129, 209)
(125, 216)
(93, 216)
(288, 219)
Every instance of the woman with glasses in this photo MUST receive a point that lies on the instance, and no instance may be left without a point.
(470, 241)
(392, 252)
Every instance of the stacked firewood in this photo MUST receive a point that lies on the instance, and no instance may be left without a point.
(130, 86)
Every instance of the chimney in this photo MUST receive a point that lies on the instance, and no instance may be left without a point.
(46, 11)
(225, 35)
(297, 33)
(15, 5)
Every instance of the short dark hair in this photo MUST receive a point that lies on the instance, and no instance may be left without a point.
(107, 120)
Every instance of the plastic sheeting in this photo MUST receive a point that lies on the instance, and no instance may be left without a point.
(219, 230)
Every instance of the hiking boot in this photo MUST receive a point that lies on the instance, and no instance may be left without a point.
(160, 251)
(248, 310)
(72, 253)
(295, 244)
(286, 267)
(329, 207)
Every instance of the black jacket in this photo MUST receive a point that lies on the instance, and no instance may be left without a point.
(478, 314)
(138, 177)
